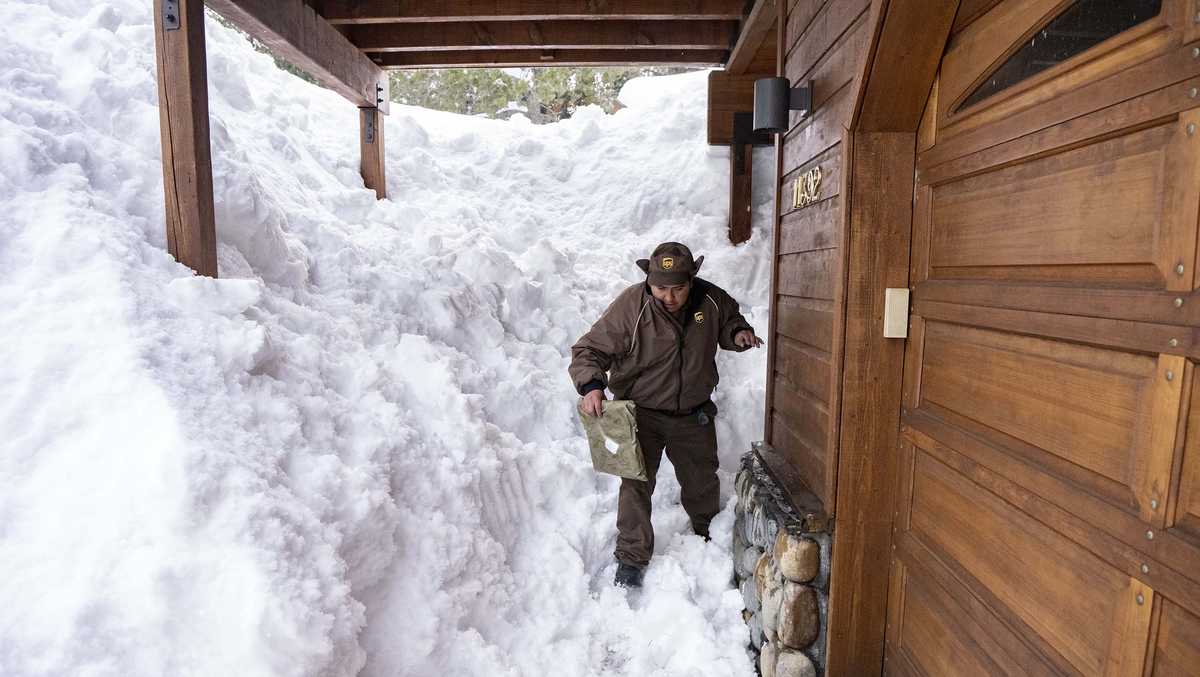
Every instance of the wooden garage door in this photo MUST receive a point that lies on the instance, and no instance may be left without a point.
(1048, 519)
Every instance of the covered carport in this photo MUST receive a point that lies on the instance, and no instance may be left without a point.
(348, 47)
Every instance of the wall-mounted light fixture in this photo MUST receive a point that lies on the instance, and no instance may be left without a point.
(774, 98)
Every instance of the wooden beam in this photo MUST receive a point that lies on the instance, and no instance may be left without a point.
(371, 151)
(907, 41)
(294, 32)
(880, 232)
(741, 166)
(897, 85)
(703, 35)
(552, 57)
(727, 95)
(426, 11)
(755, 30)
(183, 121)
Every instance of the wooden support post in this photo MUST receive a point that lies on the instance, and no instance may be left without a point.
(880, 157)
(183, 120)
(741, 167)
(371, 148)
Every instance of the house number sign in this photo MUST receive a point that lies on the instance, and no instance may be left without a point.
(806, 189)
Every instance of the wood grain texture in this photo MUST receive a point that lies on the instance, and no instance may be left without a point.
(820, 132)
(741, 174)
(1113, 534)
(727, 95)
(1088, 128)
(804, 368)
(969, 11)
(1141, 68)
(1177, 650)
(1074, 604)
(1185, 510)
(372, 151)
(754, 32)
(1156, 307)
(830, 164)
(809, 322)
(293, 31)
(1115, 413)
(809, 274)
(899, 85)
(1119, 211)
(1110, 57)
(817, 226)
(880, 205)
(832, 72)
(427, 11)
(809, 457)
(183, 122)
(1132, 336)
(503, 58)
(781, 9)
(940, 628)
(800, 14)
(701, 35)
(825, 31)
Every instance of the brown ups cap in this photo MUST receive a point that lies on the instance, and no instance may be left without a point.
(669, 265)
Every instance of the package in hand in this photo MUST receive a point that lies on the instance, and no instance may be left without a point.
(613, 440)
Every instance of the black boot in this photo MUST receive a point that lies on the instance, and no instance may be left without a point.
(628, 576)
(702, 533)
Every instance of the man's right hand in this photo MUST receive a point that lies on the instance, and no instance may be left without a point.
(593, 403)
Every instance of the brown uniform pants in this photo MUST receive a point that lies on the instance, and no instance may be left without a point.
(692, 448)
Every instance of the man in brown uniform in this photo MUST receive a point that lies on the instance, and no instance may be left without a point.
(656, 345)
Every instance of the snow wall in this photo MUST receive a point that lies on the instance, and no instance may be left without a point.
(357, 452)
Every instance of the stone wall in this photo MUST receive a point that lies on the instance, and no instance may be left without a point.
(781, 564)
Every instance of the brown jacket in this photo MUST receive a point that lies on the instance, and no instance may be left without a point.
(656, 360)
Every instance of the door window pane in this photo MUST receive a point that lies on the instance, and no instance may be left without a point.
(1083, 25)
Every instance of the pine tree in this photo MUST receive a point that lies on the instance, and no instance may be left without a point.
(547, 94)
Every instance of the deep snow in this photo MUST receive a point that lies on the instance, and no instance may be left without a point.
(357, 451)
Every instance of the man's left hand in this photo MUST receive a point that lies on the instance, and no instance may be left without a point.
(746, 339)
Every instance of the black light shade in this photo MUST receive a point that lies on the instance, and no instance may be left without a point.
(773, 99)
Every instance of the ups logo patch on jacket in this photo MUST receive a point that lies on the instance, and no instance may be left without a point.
(699, 317)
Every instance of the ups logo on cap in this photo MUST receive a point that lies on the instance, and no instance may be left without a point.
(668, 263)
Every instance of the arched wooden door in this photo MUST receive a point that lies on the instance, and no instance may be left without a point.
(1048, 515)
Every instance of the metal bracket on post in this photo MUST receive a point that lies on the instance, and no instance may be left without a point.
(801, 99)
(744, 134)
(368, 124)
(170, 10)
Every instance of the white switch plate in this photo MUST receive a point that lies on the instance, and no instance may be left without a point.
(895, 313)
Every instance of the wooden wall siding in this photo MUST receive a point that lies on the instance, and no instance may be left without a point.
(824, 41)
(1048, 514)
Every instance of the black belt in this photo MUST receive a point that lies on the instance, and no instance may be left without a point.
(677, 414)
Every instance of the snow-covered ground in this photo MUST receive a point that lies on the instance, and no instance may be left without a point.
(357, 452)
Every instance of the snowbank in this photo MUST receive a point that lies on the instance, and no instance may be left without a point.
(357, 451)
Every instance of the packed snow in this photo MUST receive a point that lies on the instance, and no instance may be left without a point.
(357, 452)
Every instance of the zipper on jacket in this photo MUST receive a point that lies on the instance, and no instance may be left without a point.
(679, 391)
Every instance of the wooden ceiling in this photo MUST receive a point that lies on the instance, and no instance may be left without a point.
(494, 33)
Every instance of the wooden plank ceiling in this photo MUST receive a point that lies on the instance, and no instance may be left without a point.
(500, 33)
